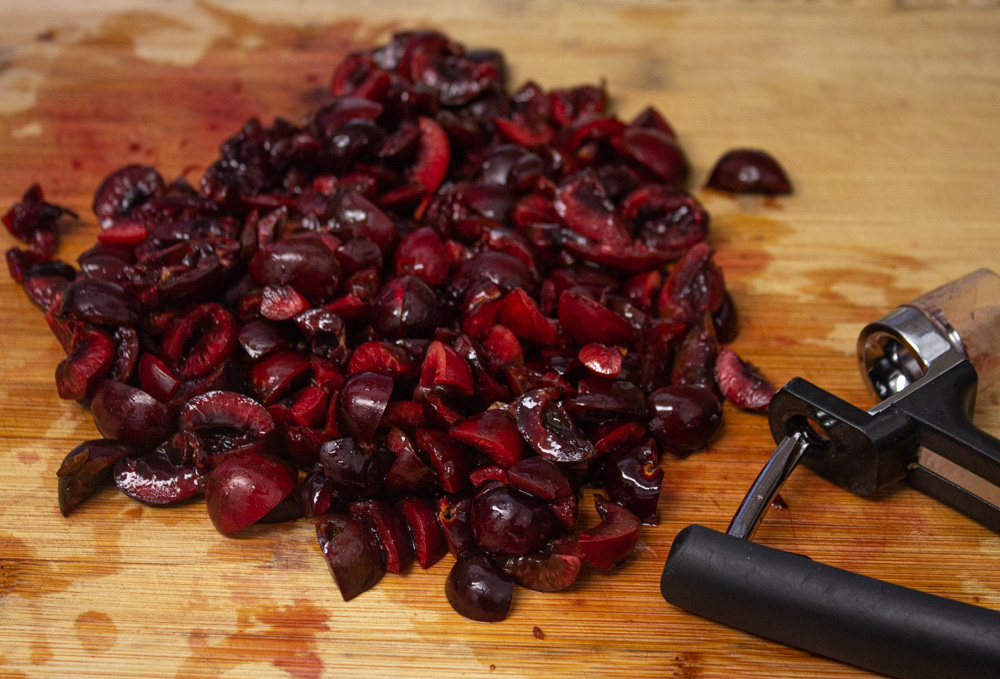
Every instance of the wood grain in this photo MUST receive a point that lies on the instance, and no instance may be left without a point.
(885, 116)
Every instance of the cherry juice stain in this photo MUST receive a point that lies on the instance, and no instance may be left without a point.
(39, 651)
(28, 457)
(284, 636)
(96, 632)
(26, 572)
(102, 104)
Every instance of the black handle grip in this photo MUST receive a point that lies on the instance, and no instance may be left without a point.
(824, 610)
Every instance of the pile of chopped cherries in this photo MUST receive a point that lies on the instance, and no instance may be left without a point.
(425, 317)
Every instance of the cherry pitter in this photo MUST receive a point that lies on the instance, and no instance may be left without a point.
(925, 361)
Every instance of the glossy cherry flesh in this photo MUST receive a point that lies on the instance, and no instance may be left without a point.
(479, 590)
(244, 487)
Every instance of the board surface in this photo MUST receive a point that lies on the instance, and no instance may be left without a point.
(883, 113)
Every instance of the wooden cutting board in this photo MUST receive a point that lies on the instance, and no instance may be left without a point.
(884, 114)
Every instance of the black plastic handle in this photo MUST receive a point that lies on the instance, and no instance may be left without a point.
(828, 611)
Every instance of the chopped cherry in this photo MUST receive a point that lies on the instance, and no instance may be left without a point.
(199, 340)
(157, 379)
(521, 315)
(80, 373)
(452, 462)
(612, 540)
(749, 171)
(541, 478)
(545, 424)
(352, 552)
(478, 590)
(455, 517)
(382, 357)
(494, 433)
(429, 543)
(130, 415)
(361, 403)
(244, 487)
(97, 301)
(511, 522)
(422, 254)
(390, 529)
(742, 382)
(555, 567)
(124, 190)
(632, 478)
(589, 321)
(218, 424)
(356, 469)
(159, 477)
(85, 469)
(273, 376)
(408, 473)
(601, 359)
(434, 155)
(684, 419)
(406, 307)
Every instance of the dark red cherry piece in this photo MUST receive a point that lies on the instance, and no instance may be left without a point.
(494, 433)
(352, 552)
(272, 377)
(584, 206)
(406, 307)
(684, 419)
(409, 474)
(600, 359)
(545, 424)
(159, 477)
(551, 569)
(422, 254)
(362, 401)
(612, 540)
(452, 461)
(85, 469)
(507, 521)
(382, 357)
(218, 424)
(130, 415)
(304, 263)
(80, 373)
(157, 379)
(749, 171)
(478, 590)
(96, 301)
(390, 529)
(588, 321)
(694, 362)
(540, 477)
(741, 382)
(433, 157)
(244, 487)
(124, 190)
(356, 469)
(520, 314)
(199, 340)
(455, 517)
(429, 543)
(633, 478)
(658, 152)
(693, 288)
